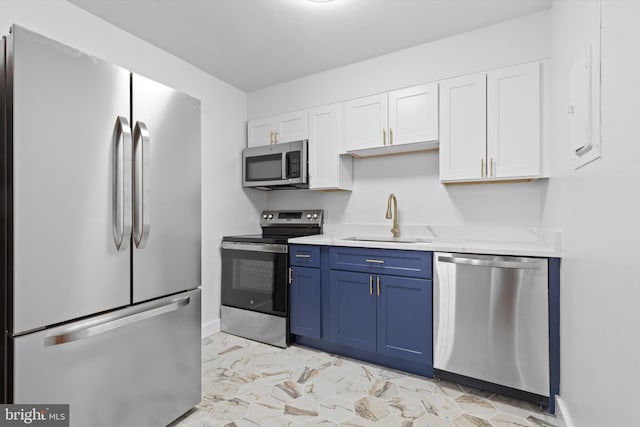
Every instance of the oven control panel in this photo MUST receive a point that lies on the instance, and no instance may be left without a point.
(303, 217)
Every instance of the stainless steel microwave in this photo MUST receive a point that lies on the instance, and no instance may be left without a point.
(276, 166)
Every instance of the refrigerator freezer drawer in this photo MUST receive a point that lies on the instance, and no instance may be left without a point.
(136, 367)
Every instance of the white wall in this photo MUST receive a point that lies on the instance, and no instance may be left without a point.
(225, 208)
(598, 208)
(414, 177)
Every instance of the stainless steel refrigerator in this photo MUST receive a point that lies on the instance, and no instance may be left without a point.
(100, 237)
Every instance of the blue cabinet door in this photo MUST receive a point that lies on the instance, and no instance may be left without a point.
(404, 318)
(352, 312)
(304, 302)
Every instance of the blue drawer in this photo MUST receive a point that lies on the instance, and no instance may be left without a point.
(304, 255)
(381, 261)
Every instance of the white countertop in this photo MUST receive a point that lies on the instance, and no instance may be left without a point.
(480, 240)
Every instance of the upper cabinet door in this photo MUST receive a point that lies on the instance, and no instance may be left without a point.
(277, 129)
(463, 128)
(260, 132)
(513, 121)
(413, 114)
(327, 169)
(168, 208)
(292, 127)
(366, 122)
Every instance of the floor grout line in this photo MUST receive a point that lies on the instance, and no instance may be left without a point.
(246, 383)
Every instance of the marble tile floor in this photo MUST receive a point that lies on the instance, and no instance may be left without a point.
(246, 383)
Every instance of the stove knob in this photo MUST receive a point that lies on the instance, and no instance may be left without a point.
(315, 216)
(270, 216)
(264, 216)
(308, 216)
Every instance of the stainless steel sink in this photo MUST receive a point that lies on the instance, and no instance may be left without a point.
(388, 239)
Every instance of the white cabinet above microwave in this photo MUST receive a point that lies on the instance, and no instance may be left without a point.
(278, 129)
(394, 122)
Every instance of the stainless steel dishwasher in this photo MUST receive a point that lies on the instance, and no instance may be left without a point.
(491, 319)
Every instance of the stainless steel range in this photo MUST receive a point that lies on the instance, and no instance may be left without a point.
(255, 291)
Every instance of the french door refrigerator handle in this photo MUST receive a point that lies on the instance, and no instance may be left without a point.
(489, 263)
(141, 185)
(91, 328)
(122, 184)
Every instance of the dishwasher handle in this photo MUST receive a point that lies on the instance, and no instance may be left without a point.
(475, 262)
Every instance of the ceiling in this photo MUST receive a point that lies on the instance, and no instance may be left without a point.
(253, 44)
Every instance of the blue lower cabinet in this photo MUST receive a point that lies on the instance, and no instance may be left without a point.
(394, 321)
(404, 318)
(305, 302)
(370, 304)
(352, 310)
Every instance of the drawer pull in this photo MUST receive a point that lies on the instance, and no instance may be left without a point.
(90, 328)
(375, 261)
(303, 256)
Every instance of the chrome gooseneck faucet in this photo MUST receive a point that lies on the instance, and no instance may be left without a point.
(395, 230)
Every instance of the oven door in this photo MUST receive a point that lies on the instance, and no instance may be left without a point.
(254, 277)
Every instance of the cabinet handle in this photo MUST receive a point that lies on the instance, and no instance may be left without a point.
(303, 256)
(482, 168)
(370, 285)
(378, 283)
(491, 166)
(275, 137)
(390, 136)
(290, 273)
(384, 137)
(375, 261)
(270, 137)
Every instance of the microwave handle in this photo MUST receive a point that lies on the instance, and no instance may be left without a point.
(285, 166)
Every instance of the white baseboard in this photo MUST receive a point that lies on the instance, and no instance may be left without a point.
(210, 328)
(562, 413)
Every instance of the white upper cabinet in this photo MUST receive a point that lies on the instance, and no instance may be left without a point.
(366, 122)
(292, 127)
(513, 127)
(413, 114)
(328, 170)
(490, 127)
(394, 122)
(260, 132)
(463, 128)
(278, 129)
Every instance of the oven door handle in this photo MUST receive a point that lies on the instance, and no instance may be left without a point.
(256, 247)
